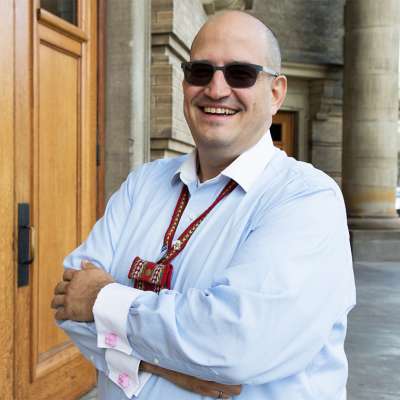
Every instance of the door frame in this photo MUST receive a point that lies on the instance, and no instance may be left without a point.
(7, 265)
(101, 101)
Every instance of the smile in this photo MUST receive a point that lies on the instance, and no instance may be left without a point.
(218, 110)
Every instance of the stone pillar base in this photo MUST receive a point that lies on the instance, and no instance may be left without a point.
(370, 223)
(372, 245)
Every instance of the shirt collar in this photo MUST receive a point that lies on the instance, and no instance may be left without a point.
(244, 170)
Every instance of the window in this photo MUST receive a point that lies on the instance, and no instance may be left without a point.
(65, 9)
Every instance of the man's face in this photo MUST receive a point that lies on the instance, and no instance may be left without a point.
(253, 107)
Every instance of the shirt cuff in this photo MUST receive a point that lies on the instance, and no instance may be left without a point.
(124, 372)
(110, 316)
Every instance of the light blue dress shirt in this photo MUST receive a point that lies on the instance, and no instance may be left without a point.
(260, 294)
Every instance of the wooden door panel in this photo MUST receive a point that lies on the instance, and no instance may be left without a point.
(282, 131)
(56, 162)
(57, 204)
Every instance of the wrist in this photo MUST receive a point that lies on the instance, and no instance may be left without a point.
(146, 367)
(97, 290)
(104, 283)
(100, 286)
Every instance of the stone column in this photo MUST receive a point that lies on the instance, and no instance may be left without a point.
(128, 57)
(370, 119)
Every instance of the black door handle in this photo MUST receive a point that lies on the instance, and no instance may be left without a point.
(25, 241)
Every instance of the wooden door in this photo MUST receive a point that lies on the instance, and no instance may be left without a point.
(55, 173)
(282, 131)
(7, 273)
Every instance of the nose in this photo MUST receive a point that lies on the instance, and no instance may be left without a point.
(218, 88)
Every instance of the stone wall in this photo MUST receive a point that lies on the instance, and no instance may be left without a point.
(174, 25)
(326, 126)
(309, 31)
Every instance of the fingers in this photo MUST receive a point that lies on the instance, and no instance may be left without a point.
(61, 287)
(61, 314)
(208, 389)
(68, 274)
(218, 390)
(87, 265)
(196, 385)
(223, 391)
(230, 390)
(58, 301)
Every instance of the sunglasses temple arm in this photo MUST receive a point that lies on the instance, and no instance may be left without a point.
(271, 72)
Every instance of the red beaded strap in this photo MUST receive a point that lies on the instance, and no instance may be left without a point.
(179, 245)
(176, 216)
(148, 275)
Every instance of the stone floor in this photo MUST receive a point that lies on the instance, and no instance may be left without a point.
(373, 340)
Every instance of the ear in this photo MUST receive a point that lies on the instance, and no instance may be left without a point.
(278, 93)
(184, 85)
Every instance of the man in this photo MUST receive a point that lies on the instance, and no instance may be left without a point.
(245, 251)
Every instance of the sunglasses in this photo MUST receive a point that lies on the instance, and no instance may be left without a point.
(237, 74)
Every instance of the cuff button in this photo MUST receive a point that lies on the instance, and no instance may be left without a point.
(123, 380)
(111, 339)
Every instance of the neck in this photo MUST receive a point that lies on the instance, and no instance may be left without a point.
(209, 167)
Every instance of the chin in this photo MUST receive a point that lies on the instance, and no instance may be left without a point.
(214, 139)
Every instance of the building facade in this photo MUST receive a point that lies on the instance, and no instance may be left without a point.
(312, 50)
(312, 38)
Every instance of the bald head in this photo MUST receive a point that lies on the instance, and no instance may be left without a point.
(242, 26)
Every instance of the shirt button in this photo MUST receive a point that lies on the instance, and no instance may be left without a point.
(156, 361)
(111, 339)
(123, 380)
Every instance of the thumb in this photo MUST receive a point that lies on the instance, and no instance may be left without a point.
(87, 265)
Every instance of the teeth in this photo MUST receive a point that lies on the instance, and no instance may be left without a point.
(213, 110)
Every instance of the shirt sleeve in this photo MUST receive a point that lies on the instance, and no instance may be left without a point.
(121, 368)
(99, 249)
(111, 332)
(271, 311)
(100, 245)
(83, 334)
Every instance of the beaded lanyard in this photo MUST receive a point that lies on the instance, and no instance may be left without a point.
(148, 275)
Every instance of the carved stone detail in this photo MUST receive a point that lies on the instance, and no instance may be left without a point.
(326, 126)
(213, 6)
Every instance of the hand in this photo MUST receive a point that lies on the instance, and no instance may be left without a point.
(76, 294)
(195, 385)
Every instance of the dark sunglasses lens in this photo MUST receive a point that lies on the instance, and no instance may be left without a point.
(199, 74)
(240, 75)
